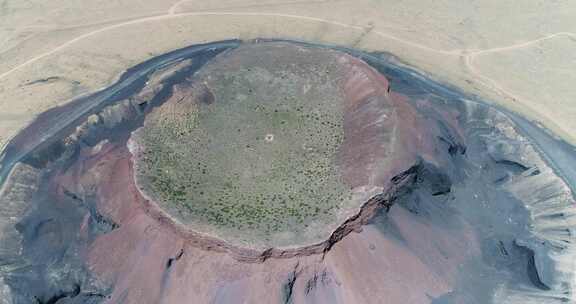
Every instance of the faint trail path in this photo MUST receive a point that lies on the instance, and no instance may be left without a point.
(172, 14)
(523, 44)
(175, 6)
(487, 81)
(492, 83)
(468, 55)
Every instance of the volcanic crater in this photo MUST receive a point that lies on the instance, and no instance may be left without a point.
(274, 171)
(274, 145)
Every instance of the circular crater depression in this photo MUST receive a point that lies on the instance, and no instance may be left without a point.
(269, 145)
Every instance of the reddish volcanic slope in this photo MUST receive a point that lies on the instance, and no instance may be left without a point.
(147, 259)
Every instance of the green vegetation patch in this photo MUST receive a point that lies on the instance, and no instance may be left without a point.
(258, 164)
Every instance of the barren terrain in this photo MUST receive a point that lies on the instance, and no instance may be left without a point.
(480, 203)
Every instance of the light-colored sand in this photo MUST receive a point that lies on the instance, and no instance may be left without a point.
(519, 54)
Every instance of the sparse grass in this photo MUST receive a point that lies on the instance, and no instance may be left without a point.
(215, 165)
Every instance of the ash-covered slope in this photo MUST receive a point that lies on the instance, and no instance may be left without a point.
(469, 209)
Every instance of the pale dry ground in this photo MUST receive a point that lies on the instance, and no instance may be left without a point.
(519, 54)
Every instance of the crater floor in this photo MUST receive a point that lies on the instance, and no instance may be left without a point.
(251, 145)
(266, 145)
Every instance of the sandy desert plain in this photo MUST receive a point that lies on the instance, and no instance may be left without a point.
(517, 55)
